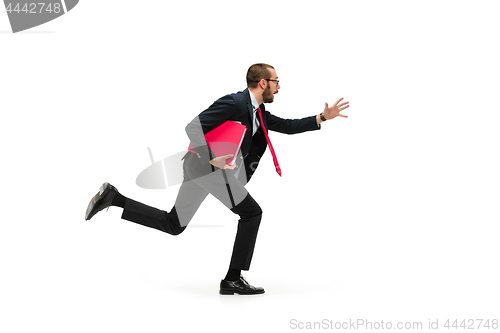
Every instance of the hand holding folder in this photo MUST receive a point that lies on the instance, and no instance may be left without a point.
(225, 139)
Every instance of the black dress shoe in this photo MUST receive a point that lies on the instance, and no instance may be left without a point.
(101, 200)
(240, 286)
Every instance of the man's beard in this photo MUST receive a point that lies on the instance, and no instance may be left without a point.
(268, 96)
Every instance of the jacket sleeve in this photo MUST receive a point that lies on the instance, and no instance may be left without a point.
(215, 115)
(291, 126)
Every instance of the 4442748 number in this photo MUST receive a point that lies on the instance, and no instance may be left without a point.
(34, 8)
(472, 324)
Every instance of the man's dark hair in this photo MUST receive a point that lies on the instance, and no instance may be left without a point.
(257, 72)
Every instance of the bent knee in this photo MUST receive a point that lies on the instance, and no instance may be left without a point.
(248, 207)
(258, 211)
(178, 230)
(255, 212)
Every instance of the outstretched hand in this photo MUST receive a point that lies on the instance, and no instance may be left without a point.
(334, 111)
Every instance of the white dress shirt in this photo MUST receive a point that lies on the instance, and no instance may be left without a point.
(254, 115)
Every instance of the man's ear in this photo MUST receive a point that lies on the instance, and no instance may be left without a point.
(262, 83)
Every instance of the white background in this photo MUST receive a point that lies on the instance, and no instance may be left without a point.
(391, 214)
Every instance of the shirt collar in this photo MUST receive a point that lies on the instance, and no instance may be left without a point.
(255, 104)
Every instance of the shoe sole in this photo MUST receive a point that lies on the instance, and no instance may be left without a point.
(239, 292)
(102, 191)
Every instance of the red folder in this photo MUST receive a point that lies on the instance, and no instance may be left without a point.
(225, 139)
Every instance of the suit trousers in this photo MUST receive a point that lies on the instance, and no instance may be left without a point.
(227, 186)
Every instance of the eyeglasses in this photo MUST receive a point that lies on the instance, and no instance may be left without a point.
(277, 81)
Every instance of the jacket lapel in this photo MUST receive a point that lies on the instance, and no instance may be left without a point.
(249, 108)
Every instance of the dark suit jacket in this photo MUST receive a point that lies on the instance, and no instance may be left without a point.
(238, 107)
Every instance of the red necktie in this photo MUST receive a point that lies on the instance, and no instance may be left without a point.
(276, 164)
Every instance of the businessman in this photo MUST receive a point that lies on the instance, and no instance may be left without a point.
(206, 173)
